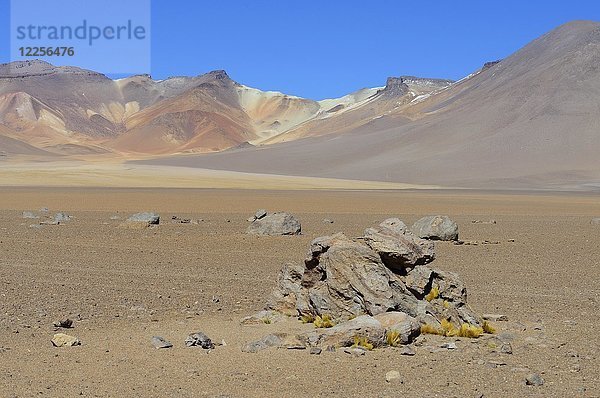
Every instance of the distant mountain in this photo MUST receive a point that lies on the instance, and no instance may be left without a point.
(531, 120)
(71, 111)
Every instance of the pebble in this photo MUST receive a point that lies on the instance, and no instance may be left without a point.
(534, 379)
(64, 340)
(160, 342)
(315, 351)
(408, 350)
(495, 317)
(393, 376)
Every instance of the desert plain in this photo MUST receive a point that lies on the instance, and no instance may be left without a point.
(122, 286)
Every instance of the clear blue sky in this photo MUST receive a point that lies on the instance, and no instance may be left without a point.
(320, 49)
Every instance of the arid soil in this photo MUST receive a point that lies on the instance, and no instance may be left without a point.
(123, 286)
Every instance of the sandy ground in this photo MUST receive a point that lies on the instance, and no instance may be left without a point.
(124, 286)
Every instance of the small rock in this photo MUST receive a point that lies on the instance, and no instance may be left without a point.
(595, 221)
(64, 323)
(29, 215)
(270, 340)
(506, 348)
(327, 221)
(315, 351)
(44, 210)
(534, 379)
(64, 340)
(145, 217)
(275, 224)
(115, 217)
(495, 317)
(436, 228)
(199, 339)
(393, 376)
(449, 346)
(160, 342)
(355, 351)
(62, 217)
(408, 350)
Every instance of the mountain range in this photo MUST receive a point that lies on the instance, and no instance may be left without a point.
(529, 121)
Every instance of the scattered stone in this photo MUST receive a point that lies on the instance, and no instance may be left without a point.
(64, 323)
(393, 376)
(327, 221)
(534, 379)
(355, 351)
(160, 342)
(506, 348)
(315, 351)
(30, 215)
(483, 222)
(595, 221)
(273, 224)
(61, 218)
(436, 228)
(199, 339)
(64, 340)
(495, 317)
(270, 340)
(145, 217)
(449, 346)
(263, 317)
(408, 350)
(177, 220)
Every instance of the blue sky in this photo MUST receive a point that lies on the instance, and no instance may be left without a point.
(320, 49)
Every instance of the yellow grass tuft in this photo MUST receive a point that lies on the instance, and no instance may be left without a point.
(361, 341)
(488, 328)
(433, 294)
(307, 318)
(324, 321)
(471, 331)
(448, 328)
(392, 338)
(430, 329)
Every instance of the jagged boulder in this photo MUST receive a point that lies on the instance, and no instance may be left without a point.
(436, 228)
(344, 278)
(345, 334)
(398, 248)
(274, 224)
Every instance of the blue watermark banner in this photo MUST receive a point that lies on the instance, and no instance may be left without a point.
(107, 36)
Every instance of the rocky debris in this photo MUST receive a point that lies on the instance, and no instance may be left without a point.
(30, 215)
(63, 323)
(495, 317)
(199, 339)
(263, 317)
(478, 242)
(355, 351)
(178, 220)
(141, 221)
(393, 376)
(279, 223)
(449, 345)
(270, 340)
(534, 379)
(408, 350)
(506, 348)
(327, 221)
(44, 210)
(595, 221)
(61, 217)
(64, 340)
(483, 222)
(436, 228)
(315, 351)
(260, 213)
(160, 342)
(398, 248)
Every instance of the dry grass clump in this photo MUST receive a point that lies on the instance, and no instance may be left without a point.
(361, 341)
(307, 318)
(324, 321)
(448, 329)
(488, 328)
(433, 294)
(392, 338)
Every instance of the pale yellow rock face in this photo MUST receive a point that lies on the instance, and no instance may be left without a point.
(64, 340)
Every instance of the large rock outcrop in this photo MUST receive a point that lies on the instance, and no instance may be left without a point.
(384, 270)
